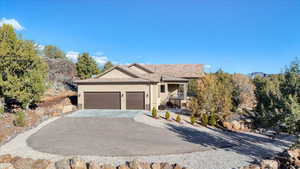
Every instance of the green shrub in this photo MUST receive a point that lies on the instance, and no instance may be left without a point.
(167, 115)
(1, 110)
(154, 112)
(212, 120)
(20, 119)
(193, 120)
(178, 118)
(204, 119)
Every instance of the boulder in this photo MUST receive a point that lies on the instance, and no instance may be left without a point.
(77, 163)
(135, 164)
(227, 125)
(155, 166)
(236, 125)
(5, 158)
(145, 165)
(123, 166)
(63, 164)
(22, 163)
(43, 164)
(107, 166)
(6, 166)
(166, 166)
(93, 165)
(269, 164)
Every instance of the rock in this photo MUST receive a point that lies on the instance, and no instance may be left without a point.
(107, 166)
(43, 164)
(93, 165)
(77, 163)
(135, 164)
(236, 125)
(269, 164)
(22, 163)
(123, 166)
(6, 166)
(145, 165)
(5, 158)
(155, 166)
(166, 166)
(227, 125)
(177, 166)
(63, 164)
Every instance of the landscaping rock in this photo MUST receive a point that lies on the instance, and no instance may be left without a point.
(155, 166)
(93, 165)
(166, 166)
(269, 164)
(63, 164)
(107, 166)
(145, 165)
(5, 158)
(22, 163)
(77, 163)
(123, 166)
(6, 166)
(135, 165)
(43, 164)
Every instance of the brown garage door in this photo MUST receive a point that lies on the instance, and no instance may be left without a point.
(135, 100)
(102, 100)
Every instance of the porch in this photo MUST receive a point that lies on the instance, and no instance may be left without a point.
(173, 94)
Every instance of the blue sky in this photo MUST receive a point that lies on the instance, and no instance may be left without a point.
(235, 35)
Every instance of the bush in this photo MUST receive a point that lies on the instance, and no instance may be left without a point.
(154, 112)
(178, 118)
(1, 110)
(20, 119)
(193, 120)
(167, 115)
(212, 120)
(204, 119)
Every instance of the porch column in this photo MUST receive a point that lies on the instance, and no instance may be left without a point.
(185, 88)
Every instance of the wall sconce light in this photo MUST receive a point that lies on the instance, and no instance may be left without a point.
(122, 95)
(147, 95)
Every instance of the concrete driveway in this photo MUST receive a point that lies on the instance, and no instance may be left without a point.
(104, 135)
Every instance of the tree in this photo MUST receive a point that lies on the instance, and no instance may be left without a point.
(243, 92)
(86, 66)
(54, 52)
(107, 66)
(23, 73)
(278, 100)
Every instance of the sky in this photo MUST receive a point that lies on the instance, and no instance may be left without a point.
(238, 36)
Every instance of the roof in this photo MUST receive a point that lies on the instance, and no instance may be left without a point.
(113, 80)
(177, 70)
(153, 73)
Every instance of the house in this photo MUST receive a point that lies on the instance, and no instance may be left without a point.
(138, 86)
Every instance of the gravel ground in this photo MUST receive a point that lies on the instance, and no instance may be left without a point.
(246, 147)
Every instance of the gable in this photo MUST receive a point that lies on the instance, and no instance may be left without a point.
(116, 73)
(138, 69)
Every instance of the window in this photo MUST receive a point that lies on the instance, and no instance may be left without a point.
(162, 89)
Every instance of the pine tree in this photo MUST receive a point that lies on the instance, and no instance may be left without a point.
(23, 73)
(86, 66)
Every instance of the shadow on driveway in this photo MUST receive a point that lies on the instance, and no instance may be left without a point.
(254, 146)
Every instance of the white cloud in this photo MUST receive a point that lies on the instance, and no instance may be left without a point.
(101, 60)
(72, 55)
(207, 66)
(12, 22)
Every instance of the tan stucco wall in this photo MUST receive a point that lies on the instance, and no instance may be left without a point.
(115, 74)
(139, 70)
(151, 91)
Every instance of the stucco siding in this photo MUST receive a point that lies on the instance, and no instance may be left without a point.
(150, 100)
(138, 70)
(115, 73)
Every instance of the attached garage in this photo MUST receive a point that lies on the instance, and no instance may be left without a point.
(135, 100)
(102, 100)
